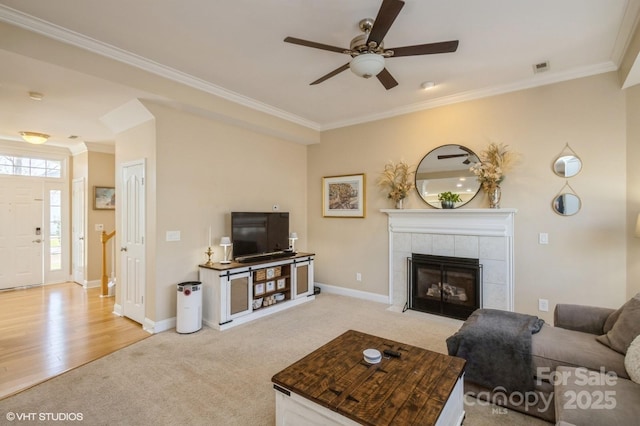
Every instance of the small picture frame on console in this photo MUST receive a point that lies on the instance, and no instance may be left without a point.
(343, 196)
(259, 289)
(271, 286)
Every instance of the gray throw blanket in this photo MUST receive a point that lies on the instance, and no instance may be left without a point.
(497, 347)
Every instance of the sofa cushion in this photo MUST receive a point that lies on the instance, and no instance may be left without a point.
(613, 317)
(632, 360)
(625, 328)
(592, 398)
(555, 346)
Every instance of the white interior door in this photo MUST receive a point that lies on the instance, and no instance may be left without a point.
(132, 241)
(78, 208)
(21, 233)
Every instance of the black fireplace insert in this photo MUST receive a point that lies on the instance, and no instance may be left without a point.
(443, 285)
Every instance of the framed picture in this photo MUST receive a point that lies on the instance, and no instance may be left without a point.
(271, 286)
(281, 283)
(104, 198)
(259, 289)
(343, 196)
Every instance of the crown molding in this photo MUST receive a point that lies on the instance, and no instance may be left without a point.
(31, 23)
(73, 38)
(539, 80)
(629, 23)
(14, 145)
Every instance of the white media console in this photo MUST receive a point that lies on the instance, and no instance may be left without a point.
(236, 293)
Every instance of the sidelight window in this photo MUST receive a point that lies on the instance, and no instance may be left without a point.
(55, 230)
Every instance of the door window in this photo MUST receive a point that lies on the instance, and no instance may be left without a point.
(55, 230)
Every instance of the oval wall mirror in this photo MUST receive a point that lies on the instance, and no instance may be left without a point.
(446, 169)
(566, 204)
(567, 166)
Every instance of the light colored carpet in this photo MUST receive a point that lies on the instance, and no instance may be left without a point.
(224, 378)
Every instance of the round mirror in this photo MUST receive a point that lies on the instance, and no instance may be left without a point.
(446, 169)
(567, 166)
(566, 204)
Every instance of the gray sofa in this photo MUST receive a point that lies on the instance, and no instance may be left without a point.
(570, 362)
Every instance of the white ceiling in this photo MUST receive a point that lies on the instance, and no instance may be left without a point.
(236, 47)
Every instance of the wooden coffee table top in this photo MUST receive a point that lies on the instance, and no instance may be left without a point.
(411, 389)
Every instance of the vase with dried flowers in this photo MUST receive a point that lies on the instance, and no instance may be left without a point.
(495, 162)
(397, 180)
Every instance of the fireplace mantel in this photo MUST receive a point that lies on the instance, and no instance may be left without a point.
(486, 234)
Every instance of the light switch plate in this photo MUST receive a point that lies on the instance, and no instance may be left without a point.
(543, 305)
(173, 236)
(543, 238)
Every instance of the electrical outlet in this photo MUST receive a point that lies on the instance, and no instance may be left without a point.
(543, 305)
(358, 276)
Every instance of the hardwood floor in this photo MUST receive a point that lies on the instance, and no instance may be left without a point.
(47, 330)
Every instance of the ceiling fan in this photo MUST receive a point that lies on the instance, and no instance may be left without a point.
(467, 153)
(367, 50)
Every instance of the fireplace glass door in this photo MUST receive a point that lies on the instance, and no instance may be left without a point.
(442, 285)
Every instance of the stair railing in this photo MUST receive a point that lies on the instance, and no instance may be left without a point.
(104, 238)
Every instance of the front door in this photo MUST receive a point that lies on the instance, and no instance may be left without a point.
(132, 240)
(21, 233)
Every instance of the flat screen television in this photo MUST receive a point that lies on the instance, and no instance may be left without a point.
(256, 233)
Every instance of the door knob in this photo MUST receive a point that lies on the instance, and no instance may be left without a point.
(123, 249)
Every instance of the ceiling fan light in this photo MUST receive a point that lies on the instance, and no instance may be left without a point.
(34, 138)
(367, 65)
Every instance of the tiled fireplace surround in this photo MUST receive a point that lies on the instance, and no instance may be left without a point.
(484, 234)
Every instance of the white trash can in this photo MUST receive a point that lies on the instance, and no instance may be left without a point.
(189, 313)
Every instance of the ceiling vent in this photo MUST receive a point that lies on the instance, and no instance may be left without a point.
(540, 67)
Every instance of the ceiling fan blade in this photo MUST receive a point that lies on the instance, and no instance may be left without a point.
(389, 10)
(387, 79)
(442, 157)
(314, 44)
(331, 74)
(426, 49)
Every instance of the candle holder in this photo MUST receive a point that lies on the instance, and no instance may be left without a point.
(209, 252)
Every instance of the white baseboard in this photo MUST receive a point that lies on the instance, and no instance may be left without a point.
(358, 294)
(92, 284)
(117, 309)
(148, 326)
(160, 326)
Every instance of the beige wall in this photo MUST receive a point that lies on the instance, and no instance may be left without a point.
(139, 143)
(101, 173)
(633, 189)
(207, 169)
(97, 169)
(585, 260)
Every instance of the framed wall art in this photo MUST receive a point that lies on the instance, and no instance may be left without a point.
(104, 198)
(343, 196)
(271, 286)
